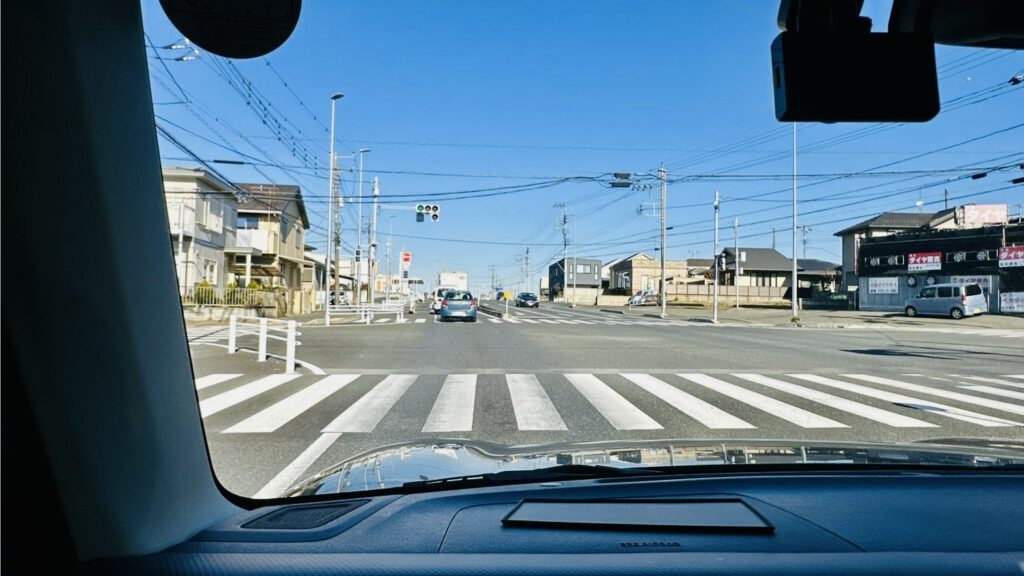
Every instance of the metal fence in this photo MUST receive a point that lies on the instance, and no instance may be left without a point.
(366, 311)
(266, 329)
(199, 295)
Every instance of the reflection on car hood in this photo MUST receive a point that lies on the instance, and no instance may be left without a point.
(432, 459)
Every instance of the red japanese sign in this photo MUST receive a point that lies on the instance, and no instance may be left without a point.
(1011, 256)
(407, 257)
(978, 214)
(920, 261)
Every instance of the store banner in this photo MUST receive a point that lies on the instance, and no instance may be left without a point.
(1011, 302)
(884, 285)
(1011, 256)
(922, 261)
(984, 281)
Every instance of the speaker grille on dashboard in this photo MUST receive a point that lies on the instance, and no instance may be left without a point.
(303, 517)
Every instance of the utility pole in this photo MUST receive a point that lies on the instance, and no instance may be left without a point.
(372, 241)
(662, 175)
(805, 229)
(773, 237)
(714, 304)
(529, 280)
(575, 267)
(565, 256)
(391, 223)
(736, 260)
(359, 233)
(793, 280)
(332, 225)
(945, 199)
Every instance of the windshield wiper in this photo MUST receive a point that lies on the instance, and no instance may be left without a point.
(563, 472)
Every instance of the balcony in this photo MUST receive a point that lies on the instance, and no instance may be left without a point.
(182, 219)
(261, 240)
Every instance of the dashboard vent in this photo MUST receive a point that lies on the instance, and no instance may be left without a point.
(303, 517)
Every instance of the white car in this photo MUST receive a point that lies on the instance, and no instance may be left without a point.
(437, 296)
(643, 297)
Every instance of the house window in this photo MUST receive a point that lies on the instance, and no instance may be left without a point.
(210, 271)
(583, 268)
(247, 222)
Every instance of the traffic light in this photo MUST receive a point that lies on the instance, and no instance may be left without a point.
(432, 211)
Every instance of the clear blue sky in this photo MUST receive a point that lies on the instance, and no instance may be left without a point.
(509, 94)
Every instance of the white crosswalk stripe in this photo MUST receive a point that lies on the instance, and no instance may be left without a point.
(453, 410)
(420, 320)
(529, 320)
(710, 400)
(950, 394)
(619, 412)
(694, 407)
(910, 402)
(272, 418)
(531, 404)
(1020, 376)
(213, 380)
(367, 412)
(999, 381)
(995, 391)
(226, 400)
(838, 403)
(798, 416)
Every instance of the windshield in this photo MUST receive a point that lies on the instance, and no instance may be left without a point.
(624, 161)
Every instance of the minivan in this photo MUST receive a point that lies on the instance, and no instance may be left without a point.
(953, 300)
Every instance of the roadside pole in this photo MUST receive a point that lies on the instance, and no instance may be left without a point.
(372, 260)
(794, 282)
(736, 260)
(714, 304)
(575, 267)
(664, 283)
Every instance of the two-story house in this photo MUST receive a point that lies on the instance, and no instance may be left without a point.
(201, 211)
(271, 227)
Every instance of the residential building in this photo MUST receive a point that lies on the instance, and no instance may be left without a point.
(201, 211)
(585, 272)
(821, 275)
(764, 267)
(643, 272)
(606, 272)
(271, 227)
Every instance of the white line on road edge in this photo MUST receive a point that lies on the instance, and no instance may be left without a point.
(699, 410)
(531, 404)
(995, 391)
(910, 402)
(213, 380)
(367, 412)
(619, 412)
(453, 409)
(420, 320)
(283, 412)
(293, 471)
(215, 404)
(965, 398)
(856, 408)
(798, 416)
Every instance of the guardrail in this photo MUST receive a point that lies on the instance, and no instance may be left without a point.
(266, 329)
(367, 311)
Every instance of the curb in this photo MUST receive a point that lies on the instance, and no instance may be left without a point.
(490, 311)
(611, 311)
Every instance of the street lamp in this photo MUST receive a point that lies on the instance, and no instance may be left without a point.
(330, 217)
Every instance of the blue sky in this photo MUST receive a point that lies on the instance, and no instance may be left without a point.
(505, 95)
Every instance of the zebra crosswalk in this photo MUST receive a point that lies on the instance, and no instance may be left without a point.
(355, 403)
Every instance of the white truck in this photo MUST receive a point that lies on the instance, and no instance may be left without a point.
(448, 281)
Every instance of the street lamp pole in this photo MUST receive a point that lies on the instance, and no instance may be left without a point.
(664, 284)
(330, 220)
(793, 292)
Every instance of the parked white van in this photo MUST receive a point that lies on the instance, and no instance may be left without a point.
(953, 300)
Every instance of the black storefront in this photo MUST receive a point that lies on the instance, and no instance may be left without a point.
(891, 268)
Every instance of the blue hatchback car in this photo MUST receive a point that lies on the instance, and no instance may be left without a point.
(458, 305)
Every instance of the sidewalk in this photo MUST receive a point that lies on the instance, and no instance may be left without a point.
(816, 318)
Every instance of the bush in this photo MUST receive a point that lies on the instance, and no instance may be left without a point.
(203, 293)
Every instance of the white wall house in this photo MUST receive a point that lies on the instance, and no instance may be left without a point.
(201, 212)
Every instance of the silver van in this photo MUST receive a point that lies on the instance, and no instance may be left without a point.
(953, 300)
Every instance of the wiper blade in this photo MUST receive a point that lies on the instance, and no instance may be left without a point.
(563, 472)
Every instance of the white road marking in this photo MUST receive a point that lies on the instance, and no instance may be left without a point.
(910, 402)
(401, 321)
(213, 380)
(546, 321)
(999, 381)
(364, 414)
(420, 320)
(531, 404)
(530, 321)
(619, 412)
(694, 407)
(952, 395)
(283, 412)
(798, 416)
(381, 320)
(215, 404)
(1021, 376)
(511, 320)
(453, 409)
(297, 468)
(839, 403)
(995, 391)
(494, 321)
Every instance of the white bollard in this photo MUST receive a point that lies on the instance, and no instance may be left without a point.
(290, 356)
(262, 357)
(232, 334)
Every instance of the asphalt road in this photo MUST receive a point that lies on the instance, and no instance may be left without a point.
(561, 375)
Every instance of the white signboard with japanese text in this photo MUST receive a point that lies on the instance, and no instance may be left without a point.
(921, 261)
(978, 214)
(1011, 302)
(984, 281)
(884, 285)
(1011, 256)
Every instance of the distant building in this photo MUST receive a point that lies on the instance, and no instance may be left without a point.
(271, 236)
(201, 211)
(643, 272)
(757, 267)
(585, 272)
